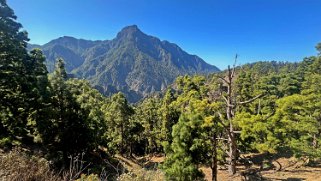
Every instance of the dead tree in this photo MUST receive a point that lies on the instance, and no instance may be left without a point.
(214, 156)
(228, 94)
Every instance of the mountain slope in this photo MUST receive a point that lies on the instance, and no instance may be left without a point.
(72, 50)
(133, 62)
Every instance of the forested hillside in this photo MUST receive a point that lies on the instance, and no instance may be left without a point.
(53, 127)
(134, 63)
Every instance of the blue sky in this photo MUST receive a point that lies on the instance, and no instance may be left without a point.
(215, 30)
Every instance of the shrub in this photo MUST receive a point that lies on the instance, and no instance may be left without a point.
(17, 165)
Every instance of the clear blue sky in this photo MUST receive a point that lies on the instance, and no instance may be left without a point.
(215, 30)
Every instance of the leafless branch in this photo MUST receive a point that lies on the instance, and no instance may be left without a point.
(251, 100)
(234, 66)
(115, 168)
(76, 167)
(220, 120)
(225, 99)
(224, 139)
(223, 79)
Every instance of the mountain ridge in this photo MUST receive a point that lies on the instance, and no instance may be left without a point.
(133, 62)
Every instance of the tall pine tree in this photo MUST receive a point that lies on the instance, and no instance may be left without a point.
(67, 132)
(14, 85)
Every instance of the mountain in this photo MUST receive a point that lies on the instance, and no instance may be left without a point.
(133, 62)
(72, 50)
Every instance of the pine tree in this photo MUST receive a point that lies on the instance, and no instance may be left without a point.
(298, 125)
(118, 118)
(184, 153)
(150, 119)
(13, 81)
(91, 101)
(67, 132)
(169, 115)
(40, 95)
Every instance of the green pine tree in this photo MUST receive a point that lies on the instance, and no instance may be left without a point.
(183, 155)
(67, 132)
(14, 86)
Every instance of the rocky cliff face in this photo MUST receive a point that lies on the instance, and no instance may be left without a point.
(133, 62)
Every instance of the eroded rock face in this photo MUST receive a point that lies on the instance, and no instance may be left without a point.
(134, 63)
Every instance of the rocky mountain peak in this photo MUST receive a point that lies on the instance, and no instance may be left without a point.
(134, 63)
(130, 32)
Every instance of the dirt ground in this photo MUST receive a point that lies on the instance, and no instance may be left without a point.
(299, 174)
(281, 169)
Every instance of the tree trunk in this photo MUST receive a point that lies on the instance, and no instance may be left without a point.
(214, 158)
(231, 136)
(122, 138)
(131, 150)
(232, 154)
(314, 142)
(231, 107)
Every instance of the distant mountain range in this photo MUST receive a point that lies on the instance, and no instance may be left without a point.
(134, 63)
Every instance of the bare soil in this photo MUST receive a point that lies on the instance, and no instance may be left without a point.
(281, 168)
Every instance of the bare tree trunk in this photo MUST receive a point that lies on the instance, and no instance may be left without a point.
(231, 106)
(231, 136)
(232, 153)
(214, 158)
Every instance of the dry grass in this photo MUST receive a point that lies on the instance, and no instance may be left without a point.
(137, 171)
(142, 175)
(18, 166)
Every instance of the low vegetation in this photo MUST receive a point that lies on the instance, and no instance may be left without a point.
(18, 165)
